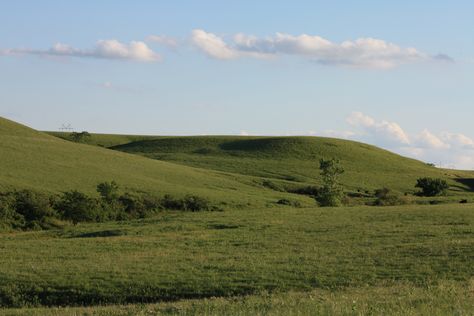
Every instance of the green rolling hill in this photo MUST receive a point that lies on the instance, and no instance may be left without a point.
(293, 160)
(229, 170)
(35, 160)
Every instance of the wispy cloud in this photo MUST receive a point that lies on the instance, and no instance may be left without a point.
(362, 52)
(164, 40)
(104, 49)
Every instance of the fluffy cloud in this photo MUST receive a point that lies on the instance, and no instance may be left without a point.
(105, 49)
(385, 131)
(449, 150)
(363, 52)
(212, 45)
(428, 140)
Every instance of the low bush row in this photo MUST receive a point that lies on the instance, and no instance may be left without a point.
(27, 209)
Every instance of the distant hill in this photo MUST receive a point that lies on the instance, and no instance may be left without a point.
(35, 160)
(293, 159)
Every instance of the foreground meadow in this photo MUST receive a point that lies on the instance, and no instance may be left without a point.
(362, 252)
(446, 298)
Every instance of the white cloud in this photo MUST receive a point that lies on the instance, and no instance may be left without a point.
(363, 52)
(458, 140)
(163, 40)
(106, 49)
(448, 150)
(212, 45)
(428, 140)
(383, 131)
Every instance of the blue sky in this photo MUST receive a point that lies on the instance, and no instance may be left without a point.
(398, 75)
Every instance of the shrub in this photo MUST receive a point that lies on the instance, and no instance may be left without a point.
(310, 190)
(171, 203)
(33, 206)
(195, 203)
(108, 190)
(431, 186)
(81, 137)
(9, 218)
(191, 203)
(385, 197)
(289, 203)
(139, 206)
(78, 207)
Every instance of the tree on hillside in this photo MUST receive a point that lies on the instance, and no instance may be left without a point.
(331, 192)
(108, 190)
(431, 186)
(79, 137)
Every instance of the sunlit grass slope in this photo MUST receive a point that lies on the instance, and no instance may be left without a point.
(34, 160)
(291, 158)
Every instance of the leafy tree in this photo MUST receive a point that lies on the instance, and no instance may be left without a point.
(78, 207)
(432, 186)
(331, 192)
(108, 191)
(32, 205)
(80, 137)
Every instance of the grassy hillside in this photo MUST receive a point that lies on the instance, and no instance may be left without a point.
(208, 254)
(34, 160)
(293, 159)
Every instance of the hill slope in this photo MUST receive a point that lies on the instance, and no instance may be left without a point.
(35, 160)
(295, 159)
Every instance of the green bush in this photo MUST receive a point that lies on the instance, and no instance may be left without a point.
(170, 203)
(31, 210)
(108, 191)
(195, 203)
(139, 206)
(309, 190)
(289, 203)
(385, 197)
(432, 186)
(9, 218)
(33, 206)
(78, 207)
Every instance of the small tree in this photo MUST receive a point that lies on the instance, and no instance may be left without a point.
(80, 137)
(431, 186)
(108, 191)
(78, 207)
(331, 192)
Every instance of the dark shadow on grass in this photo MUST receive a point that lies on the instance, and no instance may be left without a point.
(103, 233)
(467, 182)
(223, 226)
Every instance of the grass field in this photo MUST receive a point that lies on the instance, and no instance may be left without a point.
(201, 255)
(445, 298)
(255, 257)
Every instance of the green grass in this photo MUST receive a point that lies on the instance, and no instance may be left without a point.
(201, 255)
(446, 298)
(293, 159)
(256, 257)
(33, 160)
